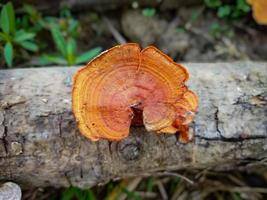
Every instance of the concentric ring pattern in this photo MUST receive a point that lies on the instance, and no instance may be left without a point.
(124, 78)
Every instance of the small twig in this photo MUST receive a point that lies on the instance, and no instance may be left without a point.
(239, 189)
(176, 175)
(162, 190)
(247, 29)
(146, 194)
(204, 35)
(116, 34)
(178, 191)
(236, 180)
(130, 187)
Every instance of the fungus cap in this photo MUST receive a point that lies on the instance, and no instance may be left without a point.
(109, 90)
(259, 8)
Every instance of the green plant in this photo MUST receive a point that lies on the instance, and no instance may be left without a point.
(131, 194)
(64, 31)
(218, 30)
(32, 20)
(66, 47)
(149, 12)
(67, 25)
(232, 10)
(10, 36)
(76, 193)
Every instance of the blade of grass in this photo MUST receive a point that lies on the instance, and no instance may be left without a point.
(150, 184)
(118, 193)
(71, 50)
(78, 194)
(51, 59)
(131, 194)
(87, 56)
(58, 40)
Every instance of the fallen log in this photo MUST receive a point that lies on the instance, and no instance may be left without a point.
(40, 144)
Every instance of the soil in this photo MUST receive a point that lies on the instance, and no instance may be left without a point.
(187, 34)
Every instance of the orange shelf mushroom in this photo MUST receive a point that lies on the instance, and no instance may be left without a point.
(259, 8)
(127, 86)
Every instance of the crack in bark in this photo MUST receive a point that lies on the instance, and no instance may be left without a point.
(110, 148)
(216, 117)
(238, 139)
(5, 142)
(60, 125)
(14, 156)
(99, 164)
(81, 171)
(4, 132)
(67, 178)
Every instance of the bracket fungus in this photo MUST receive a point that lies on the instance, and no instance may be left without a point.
(127, 86)
(259, 8)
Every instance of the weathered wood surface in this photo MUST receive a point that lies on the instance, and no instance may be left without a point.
(40, 144)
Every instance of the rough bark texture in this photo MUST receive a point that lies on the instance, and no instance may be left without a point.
(40, 144)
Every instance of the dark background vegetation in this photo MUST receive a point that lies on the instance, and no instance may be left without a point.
(69, 32)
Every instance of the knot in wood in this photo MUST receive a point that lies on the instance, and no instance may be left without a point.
(130, 151)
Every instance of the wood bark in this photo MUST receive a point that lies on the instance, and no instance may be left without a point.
(40, 144)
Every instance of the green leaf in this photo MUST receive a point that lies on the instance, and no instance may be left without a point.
(213, 3)
(87, 56)
(22, 35)
(243, 5)
(73, 27)
(58, 39)
(236, 196)
(150, 184)
(8, 53)
(71, 50)
(7, 18)
(90, 195)
(28, 9)
(11, 17)
(195, 15)
(76, 193)
(149, 12)
(130, 194)
(51, 59)
(29, 45)
(224, 11)
(65, 12)
(4, 20)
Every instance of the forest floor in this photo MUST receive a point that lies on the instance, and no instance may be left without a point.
(187, 35)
